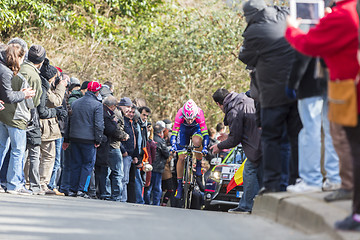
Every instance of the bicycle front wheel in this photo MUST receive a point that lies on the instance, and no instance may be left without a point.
(188, 179)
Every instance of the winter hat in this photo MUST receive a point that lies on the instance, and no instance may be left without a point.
(47, 71)
(125, 101)
(161, 123)
(252, 7)
(105, 91)
(158, 128)
(74, 80)
(36, 54)
(84, 85)
(93, 86)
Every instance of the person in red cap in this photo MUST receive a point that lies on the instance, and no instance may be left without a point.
(85, 135)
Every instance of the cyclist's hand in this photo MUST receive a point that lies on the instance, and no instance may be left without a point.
(204, 151)
(173, 148)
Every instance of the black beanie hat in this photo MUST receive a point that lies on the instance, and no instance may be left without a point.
(84, 85)
(47, 71)
(36, 54)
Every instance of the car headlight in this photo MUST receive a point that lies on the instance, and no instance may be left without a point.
(215, 175)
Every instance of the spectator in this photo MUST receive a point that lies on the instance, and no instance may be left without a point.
(213, 141)
(30, 69)
(340, 55)
(130, 150)
(220, 129)
(162, 154)
(76, 94)
(85, 135)
(240, 116)
(266, 49)
(313, 110)
(14, 117)
(111, 156)
(10, 60)
(50, 130)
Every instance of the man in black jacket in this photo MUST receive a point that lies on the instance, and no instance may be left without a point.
(240, 116)
(85, 135)
(266, 49)
(162, 154)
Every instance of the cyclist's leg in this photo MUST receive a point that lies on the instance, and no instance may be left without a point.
(197, 141)
(183, 140)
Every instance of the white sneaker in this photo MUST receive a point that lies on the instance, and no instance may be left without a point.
(302, 187)
(2, 190)
(330, 186)
(21, 191)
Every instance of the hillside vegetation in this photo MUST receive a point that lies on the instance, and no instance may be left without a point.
(164, 51)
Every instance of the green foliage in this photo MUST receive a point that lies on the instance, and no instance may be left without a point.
(16, 15)
(164, 51)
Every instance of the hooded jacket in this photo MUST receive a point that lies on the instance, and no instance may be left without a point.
(6, 92)
(240, 116)
(265, 48)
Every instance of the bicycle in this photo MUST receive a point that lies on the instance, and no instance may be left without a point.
(189, 181)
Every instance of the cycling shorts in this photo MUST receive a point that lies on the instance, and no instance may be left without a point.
(184, 135)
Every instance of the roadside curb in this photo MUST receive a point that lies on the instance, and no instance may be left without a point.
(306, 212)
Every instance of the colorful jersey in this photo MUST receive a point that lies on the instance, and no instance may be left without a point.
(200, 119)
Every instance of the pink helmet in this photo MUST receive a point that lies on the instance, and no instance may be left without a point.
(190, 110)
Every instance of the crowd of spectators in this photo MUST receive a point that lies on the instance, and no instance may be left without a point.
(60, 136)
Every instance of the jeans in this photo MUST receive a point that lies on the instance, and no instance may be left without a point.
(56, 170)
(65, 172)
(17, 138)
(125, 180)
(155, 189)
(252, 180)
(82, 163)
(285, 160)
(313, 114)
(4, 168)
(116, 173)
(138, 186)
(273, 121)
(102, 179)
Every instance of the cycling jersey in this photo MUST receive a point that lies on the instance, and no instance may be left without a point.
(197, 127)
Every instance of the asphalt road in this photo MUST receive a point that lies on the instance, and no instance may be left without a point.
(44, 217)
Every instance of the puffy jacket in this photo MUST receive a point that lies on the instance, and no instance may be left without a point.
(240, 116)
(86, 121)
(75, 94)
(162, 154)
(265, 48)
(6, 92)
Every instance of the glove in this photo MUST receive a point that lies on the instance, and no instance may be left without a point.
(290, 93)
(204, 151)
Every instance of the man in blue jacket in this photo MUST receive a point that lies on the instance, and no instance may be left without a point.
(85, 135)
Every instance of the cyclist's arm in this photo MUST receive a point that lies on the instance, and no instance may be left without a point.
(176, 127)
(203, 128)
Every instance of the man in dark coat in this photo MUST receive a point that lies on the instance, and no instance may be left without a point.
(240, 116)
(162, 154)
(266, 49)
(85, 135)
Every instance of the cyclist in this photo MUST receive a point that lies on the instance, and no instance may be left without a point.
(189, 122)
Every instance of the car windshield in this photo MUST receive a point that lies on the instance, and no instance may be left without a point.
(237, 156)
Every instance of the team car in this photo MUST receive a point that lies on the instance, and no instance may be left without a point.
(219, 176)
